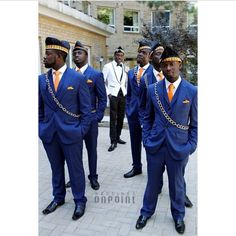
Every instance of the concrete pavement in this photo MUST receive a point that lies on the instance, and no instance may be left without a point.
(114, 208)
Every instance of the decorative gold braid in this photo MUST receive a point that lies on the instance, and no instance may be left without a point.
(57, 47)
(183, 127)
(56, 100)
(171, 59)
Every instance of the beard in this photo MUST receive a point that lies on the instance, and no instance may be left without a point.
(48, 64)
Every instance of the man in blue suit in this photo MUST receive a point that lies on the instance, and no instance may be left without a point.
(64, 119)
(157, 75)
(169, 137)
(132, 105)
(96, 85)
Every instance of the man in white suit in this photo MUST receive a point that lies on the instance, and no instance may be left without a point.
(115, 76)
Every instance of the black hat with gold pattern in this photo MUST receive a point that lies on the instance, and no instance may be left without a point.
(80, 46)
(56, 44)
(169, 55)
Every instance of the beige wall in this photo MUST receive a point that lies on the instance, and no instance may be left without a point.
(64, 31)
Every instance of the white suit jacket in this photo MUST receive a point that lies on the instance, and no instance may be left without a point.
(112, 76)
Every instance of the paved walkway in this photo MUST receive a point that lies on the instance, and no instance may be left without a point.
(114, 208)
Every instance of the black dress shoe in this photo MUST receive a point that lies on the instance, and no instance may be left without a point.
(132, 173)
(94, 184)
(120, 141)
(187, 202)
(180, 226)
(52, 207)
(78, 212)
(68, 184)
(112, 147)
(141, 222)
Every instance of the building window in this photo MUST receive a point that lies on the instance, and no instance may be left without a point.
(106, 15)
(86, 7)
(161, 18)
(83, 6)
(192, 16)
(65, 2)
(131, 21)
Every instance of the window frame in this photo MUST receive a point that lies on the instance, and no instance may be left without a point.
(132, 27)
(88, 6)
(114, 15)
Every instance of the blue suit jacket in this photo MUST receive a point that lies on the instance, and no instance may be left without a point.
(145, 81)
(182, 109)
(73, 94)
(97, 89)
(133, 93)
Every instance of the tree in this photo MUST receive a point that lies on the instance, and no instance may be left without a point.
(180, 36)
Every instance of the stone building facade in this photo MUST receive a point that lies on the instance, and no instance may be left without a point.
(63, 22)
(81, 20)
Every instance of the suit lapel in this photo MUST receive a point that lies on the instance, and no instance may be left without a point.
(50, 77)
(134, 78)
(49, 96)
(114, 71)
(88, 72)
(176, 95)
(153, 78)
(165, 92)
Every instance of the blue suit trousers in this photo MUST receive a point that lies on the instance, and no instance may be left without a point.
(91, 146)
(175, 170)
(58, 153)
(136, 143)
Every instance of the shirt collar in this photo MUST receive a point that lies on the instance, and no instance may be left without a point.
(115, 63)
(144, 67)
(62, 69)
(155, 72)
(176, 83)
(82, 69)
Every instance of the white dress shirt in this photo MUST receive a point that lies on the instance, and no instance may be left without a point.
(82, 69)
(62, 70)
(157, 74)
(176, 84)
(144, 68)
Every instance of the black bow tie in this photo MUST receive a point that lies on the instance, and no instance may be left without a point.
(119, 65)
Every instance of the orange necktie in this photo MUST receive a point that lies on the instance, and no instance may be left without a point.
(78, 70)
(139, 74)
(170, 92)
(57, 79)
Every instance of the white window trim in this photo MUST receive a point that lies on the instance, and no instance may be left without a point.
(114, 16)
(89, 8)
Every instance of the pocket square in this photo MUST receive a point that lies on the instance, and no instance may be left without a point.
(70, 88)
(89, 81)
(185, 101)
